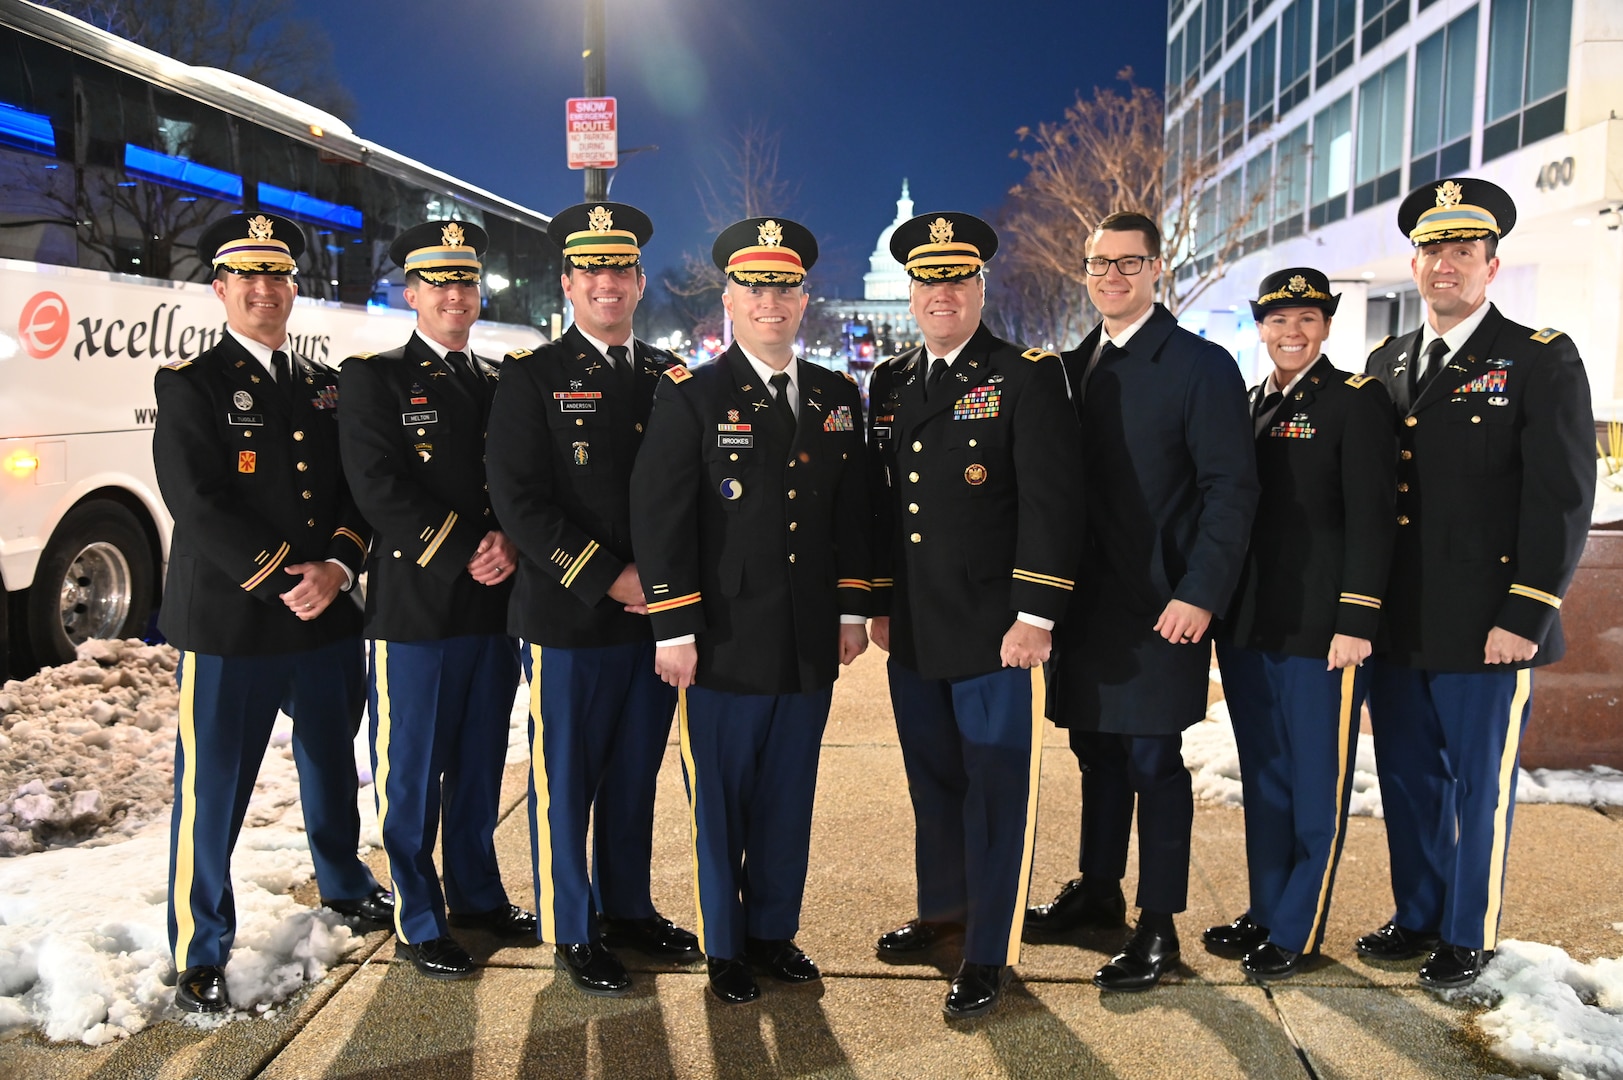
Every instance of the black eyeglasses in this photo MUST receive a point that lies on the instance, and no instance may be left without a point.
(1098, 266)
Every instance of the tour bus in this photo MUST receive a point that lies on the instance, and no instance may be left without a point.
(112, 159)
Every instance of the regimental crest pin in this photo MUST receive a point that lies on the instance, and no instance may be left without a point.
(732, 416)
(576, 384)
(243, 400)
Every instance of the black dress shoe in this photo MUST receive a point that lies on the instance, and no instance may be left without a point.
(918, 935)
(594, 969)
(374, 911)
(1142, 961)
(1240, 936)
(975, 989)
(1452, 966)
(437, 958)
(1077, 907)
(1270, 961)
(731, 981)
(202, 990)
(654, 936)
(781, 959)
(509, 921)
(1393, 942)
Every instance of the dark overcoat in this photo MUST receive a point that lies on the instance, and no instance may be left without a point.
(564, 434)
(1171, 481)
(251, 475)
(1496, 482)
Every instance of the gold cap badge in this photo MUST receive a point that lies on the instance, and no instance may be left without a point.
(599, 219)
(1450, 194)
(451, 235)
(1297, 284)
(771, 233)
(940, 231)
(260, 228)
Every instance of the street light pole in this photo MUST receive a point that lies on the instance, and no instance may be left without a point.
(596, 80)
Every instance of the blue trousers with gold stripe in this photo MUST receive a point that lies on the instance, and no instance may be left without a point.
(750, 763)
(599, 720)
(1296, 729)
(228, 705)
(1447, 746)
(972, 749)
(440, 714)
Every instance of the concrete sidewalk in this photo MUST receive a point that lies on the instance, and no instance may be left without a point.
(374, 1016)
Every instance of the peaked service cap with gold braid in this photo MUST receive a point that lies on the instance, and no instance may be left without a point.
(765, 251)
(1456, 208)
(1299, 286)
(943, 246)
(252, 243)
(440, 252)
(601, 234)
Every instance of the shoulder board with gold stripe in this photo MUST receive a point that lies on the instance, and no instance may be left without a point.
(1355, 381)
(678, 374)
(519, 354)
(1037, 354)
(1385, 341)
(1546, 335)
(850, 378)
(363, 356)
(176, 365)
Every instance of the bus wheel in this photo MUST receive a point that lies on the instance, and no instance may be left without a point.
(94, 581)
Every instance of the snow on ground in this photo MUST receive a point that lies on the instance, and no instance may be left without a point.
(84, 949)
(1208, 751)
(1552, 1014)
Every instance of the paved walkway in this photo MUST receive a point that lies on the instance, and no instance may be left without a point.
(374, 1017)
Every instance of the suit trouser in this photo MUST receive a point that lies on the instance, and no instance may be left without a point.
(1447, 748)
(972, 749)
(1296, 730)
(599, 721)
(228, 706)
(750, 763)
(1115, 769)
(440, 712)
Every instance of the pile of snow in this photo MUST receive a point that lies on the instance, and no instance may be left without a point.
(84, 948)
(1552, 1014)
(1209, 753)
(87, 749)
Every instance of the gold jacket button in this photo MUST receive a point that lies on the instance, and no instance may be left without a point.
(791, 493)
(915, 538)
(1504, 558)
(1476, 419)
(912, 508)
(791, 556)
(420, 431)
(1410, 421)
(397, 554)
(791, 463)
(311, 523)
(732, 457)
(303, 466)
(793, 525)
(912, 477)
(298, 436)
(972, 442)
(1406, 455)
(305, 495)
(1403, 519)
(579, 422)
(1403, 487)
(639, 429)
(917, 446)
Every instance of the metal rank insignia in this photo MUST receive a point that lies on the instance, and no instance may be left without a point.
(244, 401)
(581, 452)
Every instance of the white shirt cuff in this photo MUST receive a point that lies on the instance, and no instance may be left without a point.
(853, 620)
(349, 575)
(685, 639)
(1035, 620)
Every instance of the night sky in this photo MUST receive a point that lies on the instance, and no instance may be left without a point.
(862, 93)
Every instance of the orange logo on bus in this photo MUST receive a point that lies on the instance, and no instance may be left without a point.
(43, 325)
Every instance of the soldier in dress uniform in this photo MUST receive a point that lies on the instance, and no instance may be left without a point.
(443, 671)
(1171, 482)
(1303, 619)
(978, 531)
(564, 434)
(1496, 481)
(749, 519)
(267, 541)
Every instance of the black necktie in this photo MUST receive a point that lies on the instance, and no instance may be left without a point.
(938, 368)
(780, 402)
(463, 366)
(620, 357)
(282, 369)
(1266, 404)
(1109, 349)
(1433, 364)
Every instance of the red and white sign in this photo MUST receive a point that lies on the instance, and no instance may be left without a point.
(43, 325)
(590, 131)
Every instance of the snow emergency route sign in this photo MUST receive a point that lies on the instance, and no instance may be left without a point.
(590, 127)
